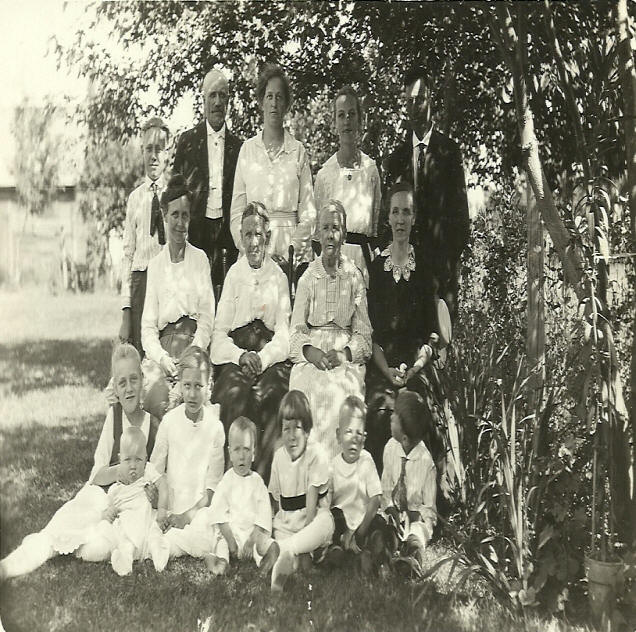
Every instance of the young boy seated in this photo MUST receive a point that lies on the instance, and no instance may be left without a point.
(355, 488)
(409, 483)
(240, 510)
(134, 532)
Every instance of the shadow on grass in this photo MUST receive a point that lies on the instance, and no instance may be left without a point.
(45, 364)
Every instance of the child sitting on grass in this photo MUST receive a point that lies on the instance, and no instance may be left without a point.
(298, 485)
(240, 509)
(409, 483)
(355, 490)
(135, 532)
(77, 526)
(189, 449)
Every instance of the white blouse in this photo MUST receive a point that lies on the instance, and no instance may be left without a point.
(104, 448)
(358, 190)
(191, 454)
(174, 290)
(250, 294)
(284, 186)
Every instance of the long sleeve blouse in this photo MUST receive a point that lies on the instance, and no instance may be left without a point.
(326, 301)
(284, 186)
(174, 290)
(250, 294)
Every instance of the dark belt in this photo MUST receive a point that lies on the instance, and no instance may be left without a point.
(361, 240)
(294, 503)
(252, 337)
(185, 325)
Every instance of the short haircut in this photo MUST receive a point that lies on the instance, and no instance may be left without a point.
(334, 206)
(241, 424)
(158, 123)
(348, 91)
(352, 404)
(415, 72)
(415, 417)
(176, 188)
(295, 405)
(132, 438)
(256, 209)
(194, 358)
(269, 72)
(124, 351)
(401, 187)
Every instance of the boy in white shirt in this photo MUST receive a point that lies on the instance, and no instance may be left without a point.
(240, 510)
(144, 231)
(189, 449)
(355, 489)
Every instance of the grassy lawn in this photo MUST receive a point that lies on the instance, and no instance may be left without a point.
(54, 363)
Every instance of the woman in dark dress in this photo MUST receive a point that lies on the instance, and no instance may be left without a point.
(402, 314)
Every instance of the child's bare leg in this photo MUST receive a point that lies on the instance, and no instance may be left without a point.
(31, 554)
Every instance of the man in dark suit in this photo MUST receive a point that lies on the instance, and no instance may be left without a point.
(206, 155)
(432, 163)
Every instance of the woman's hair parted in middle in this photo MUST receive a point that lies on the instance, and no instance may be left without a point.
(124, 351)
(348, 91)
(194, 358)
(335, 206)
(258, 210)
(267, 73)
(295, 405)
(176, 188)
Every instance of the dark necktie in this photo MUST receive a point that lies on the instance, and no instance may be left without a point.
(156, 221)
(398, 496)
(421, 157)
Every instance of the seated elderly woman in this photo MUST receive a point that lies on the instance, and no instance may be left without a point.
(330, 331)
(250, 342)
(403, 315)
(179, 306)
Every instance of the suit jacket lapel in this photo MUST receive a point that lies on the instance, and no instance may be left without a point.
(202, 152)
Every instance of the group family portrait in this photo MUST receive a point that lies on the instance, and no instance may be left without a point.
(319, 316)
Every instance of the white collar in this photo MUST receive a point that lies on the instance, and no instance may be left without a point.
(211, 132)
(160, 182)
(397, 271)
(419, 451)
(426, 140)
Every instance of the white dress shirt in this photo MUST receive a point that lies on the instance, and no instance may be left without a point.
(352, 486)
(191, 455)
(242, 501)
(139, 245)
(417, 148)
(104, 448)
(250, 294)
(284, 186)
(174, 290)
(216, 151)
(420, 479)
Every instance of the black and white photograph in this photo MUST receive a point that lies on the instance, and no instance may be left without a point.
(318, 316)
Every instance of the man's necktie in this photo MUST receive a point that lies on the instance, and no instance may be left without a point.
(156, 221)
(399, 491)
(421, 156)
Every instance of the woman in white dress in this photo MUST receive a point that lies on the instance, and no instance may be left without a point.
(273, 169)
(352, 177)
(330, 337)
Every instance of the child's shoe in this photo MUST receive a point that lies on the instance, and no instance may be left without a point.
(121, 563)
(284, 567)
(269, 559)
(335, 556)
(216, 565)
(305, 563)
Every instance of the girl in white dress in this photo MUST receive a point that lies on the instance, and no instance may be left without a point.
(77, 526)
(298, 485)
(352, 177)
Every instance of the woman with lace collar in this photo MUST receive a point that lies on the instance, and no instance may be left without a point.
(402, 314)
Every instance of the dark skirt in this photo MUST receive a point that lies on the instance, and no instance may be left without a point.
(255, 398)
(175, 338)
